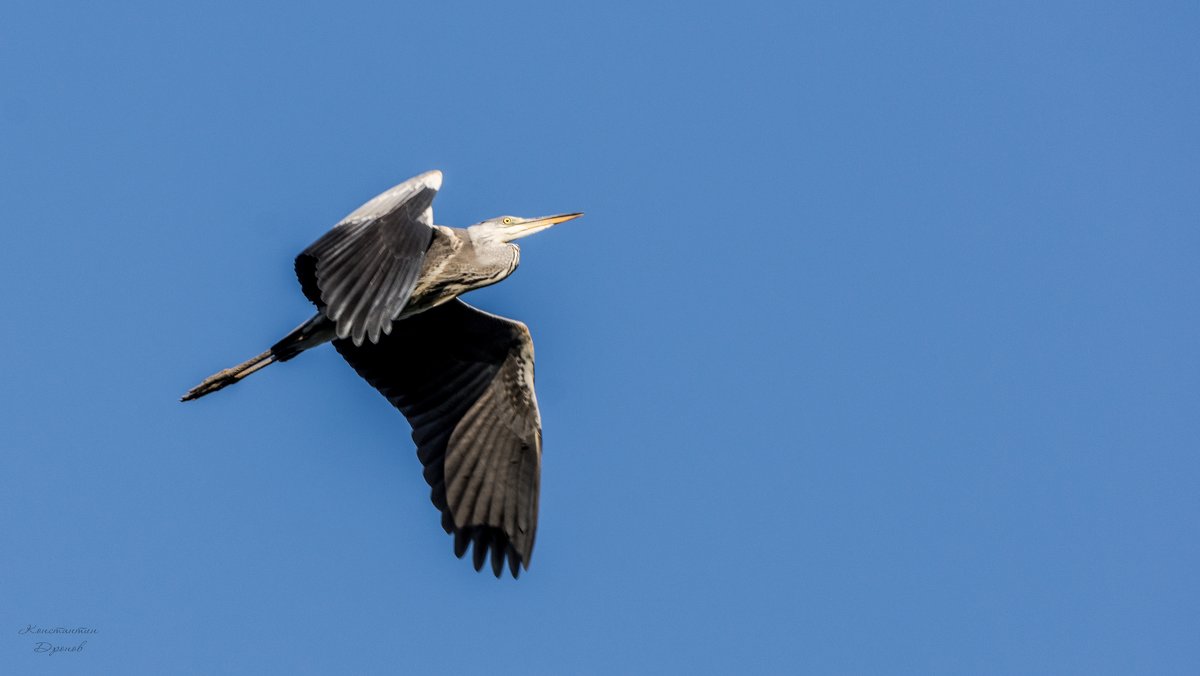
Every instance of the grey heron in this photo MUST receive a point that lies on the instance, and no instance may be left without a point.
(386, 282)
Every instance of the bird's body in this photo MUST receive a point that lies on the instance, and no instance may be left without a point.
(455, 264)
(386, 282)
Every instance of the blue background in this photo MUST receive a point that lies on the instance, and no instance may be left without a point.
(876, 351)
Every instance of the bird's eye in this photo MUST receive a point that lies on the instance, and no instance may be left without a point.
(508, 221)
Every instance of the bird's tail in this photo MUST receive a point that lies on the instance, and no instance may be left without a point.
(229, 376)
(310, 334)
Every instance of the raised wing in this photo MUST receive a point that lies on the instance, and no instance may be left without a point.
(464, 380)
(360, 273)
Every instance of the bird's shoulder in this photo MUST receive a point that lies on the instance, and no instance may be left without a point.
(446, 241)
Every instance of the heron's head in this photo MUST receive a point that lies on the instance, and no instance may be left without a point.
(508, 228)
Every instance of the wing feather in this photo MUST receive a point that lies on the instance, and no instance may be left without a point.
(361, 273)
(464, 380)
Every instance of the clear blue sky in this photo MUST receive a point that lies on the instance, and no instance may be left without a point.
(876, 352)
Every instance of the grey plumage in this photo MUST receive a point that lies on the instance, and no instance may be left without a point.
(386, 282)
(360, 273)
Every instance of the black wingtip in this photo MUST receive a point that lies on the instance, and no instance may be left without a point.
(497, 559)
(480, 551)
(487, 544)
(514, 564)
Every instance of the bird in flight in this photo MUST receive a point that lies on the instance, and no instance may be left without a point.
(386, 282)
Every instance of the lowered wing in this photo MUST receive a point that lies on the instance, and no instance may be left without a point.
(464, 380)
